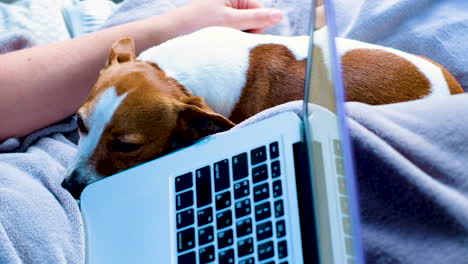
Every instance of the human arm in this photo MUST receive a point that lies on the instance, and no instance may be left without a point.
(42, 85)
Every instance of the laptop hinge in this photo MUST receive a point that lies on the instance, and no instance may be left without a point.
(306, 204)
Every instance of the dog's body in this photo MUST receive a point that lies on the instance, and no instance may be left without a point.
(205, 82)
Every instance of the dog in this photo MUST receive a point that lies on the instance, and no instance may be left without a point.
(205, 82)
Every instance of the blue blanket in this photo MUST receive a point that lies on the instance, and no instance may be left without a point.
(411, 157)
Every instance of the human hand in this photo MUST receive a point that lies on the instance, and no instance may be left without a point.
(247, 15)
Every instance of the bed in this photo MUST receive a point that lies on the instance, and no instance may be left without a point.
(411, 158)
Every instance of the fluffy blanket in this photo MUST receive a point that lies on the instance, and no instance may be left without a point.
(411, 157)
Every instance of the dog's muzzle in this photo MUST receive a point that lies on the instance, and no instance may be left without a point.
(71, 185)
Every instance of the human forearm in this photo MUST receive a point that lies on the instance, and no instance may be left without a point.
(50, 82)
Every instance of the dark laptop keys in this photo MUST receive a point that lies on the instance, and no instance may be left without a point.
(261, 192)
(185, 239)
(221, 175)
(279, 208)
(184, 200)
(223, 200)
(225, 238)
(248, 261)
(243, 208)
(282, 249)
(187, 258)
(262, 211)
(206, 254)
(185, 218)
(205, 235)
(280, 229)
(266, 250)
(260, 173)
(258, 155)
(239, 166)
(275, 169)
(227, 256)
(274, 151)
(277, 188)
(205, 216)
(245, 247)
(183, 182)
(244, 227)
(223, 219)
(203, 182)
(264, 231)
(241, 189)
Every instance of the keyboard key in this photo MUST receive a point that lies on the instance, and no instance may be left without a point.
(239, 166)
(226, 256)
(274, 151)
(248, 261)
(244, 227)
(203, 181)
(266, 250)
(205, 216)
(221, 175)
(279, 208)
(258, 155)
(244, 247)
(185, 218)
(277, 189)
(206, 254)
(187, 258)
(223, 219)
(205, 235)
(185, 239)
(241, 189)
(183, 182)
(260, 173)
(282, 249)
(261, 192)
(275, 169)
(262, 211)
(223, 200)
(280, 229)
(225, 238)
(184, 200)
(264, 231)
(243, 208)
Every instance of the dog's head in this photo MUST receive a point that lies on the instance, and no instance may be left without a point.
(135, 113)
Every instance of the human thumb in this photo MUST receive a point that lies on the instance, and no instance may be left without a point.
(258, 18)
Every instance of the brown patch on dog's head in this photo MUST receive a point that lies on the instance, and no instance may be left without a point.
(157, 116)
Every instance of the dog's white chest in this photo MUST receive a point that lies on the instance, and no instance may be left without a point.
(213, 62)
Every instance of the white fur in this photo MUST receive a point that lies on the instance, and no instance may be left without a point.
(101, 115)
(213, 62)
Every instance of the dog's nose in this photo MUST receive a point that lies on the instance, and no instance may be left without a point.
(75, 188)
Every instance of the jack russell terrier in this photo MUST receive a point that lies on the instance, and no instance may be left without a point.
(195, 85)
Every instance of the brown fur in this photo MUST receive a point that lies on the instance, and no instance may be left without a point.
(454, 86)
(169, 112)
(383, 77)
(271, 80)
(173, 118)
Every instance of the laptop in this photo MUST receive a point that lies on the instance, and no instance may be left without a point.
(281, 190)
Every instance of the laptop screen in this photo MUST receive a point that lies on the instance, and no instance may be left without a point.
(330, 155)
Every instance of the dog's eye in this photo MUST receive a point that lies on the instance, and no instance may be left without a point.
(81, 125)
(124, 146)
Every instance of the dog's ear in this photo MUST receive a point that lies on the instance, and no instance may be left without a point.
(196, 120)
(122, 51)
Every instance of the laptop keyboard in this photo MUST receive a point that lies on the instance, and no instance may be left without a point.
(232, 211)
